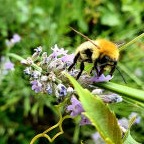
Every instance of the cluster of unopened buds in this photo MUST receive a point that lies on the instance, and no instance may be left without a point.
(46, 74)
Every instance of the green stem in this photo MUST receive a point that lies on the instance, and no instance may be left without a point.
(131, 42)
(17, 57)
(137, 104)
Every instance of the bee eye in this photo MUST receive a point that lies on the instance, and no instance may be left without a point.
(105, 59)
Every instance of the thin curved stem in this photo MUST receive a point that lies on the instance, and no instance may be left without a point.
(59, 125)
(17, 57)
(40, 135)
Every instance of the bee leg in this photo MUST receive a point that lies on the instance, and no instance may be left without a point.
(74, 62)
(101, 71)
(81, 69)
(91, 70)
(112, 70)
(96, 67)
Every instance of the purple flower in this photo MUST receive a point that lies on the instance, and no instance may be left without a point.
(111, 98)
(37, 53)
(138, 118)
(36, 86)
(28, 70)
(75, 108)
(45, 58)
(61, 90)
(9, 66)
(74, 72)
(84, 120)
(102, 78)
(97, 138)
(124, 124)
(68, 58)
(38, 49)
(57, 51)
(15, 39)
(49, 89)
(36, 74)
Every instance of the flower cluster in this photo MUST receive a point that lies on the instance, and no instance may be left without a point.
(46, 76)
(46, 79)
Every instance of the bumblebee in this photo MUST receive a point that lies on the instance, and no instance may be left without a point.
(102, 53)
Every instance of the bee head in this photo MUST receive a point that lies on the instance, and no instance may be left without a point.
(106, 60)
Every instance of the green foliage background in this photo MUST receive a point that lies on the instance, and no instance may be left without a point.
(23, 113)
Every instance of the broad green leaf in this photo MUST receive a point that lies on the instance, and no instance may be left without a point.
(99, 114)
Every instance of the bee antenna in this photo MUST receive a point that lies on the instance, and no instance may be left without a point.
(121, 75)
(85, 37)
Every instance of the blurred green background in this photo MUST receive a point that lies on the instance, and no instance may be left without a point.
(23, 114)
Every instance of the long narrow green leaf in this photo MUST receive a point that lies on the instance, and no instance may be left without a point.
(131, 42)
(130, 140)
(132, 76)
(99, 114)
(124, 90)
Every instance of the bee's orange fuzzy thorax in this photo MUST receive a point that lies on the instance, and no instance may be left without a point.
(108, 48)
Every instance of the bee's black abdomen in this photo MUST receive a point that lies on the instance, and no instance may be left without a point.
(88, 52)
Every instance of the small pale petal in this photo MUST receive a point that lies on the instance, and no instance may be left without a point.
(16, 38)
(102, 78)
(68, 58)
(8, 66)
(75, 108)
(84, 120)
